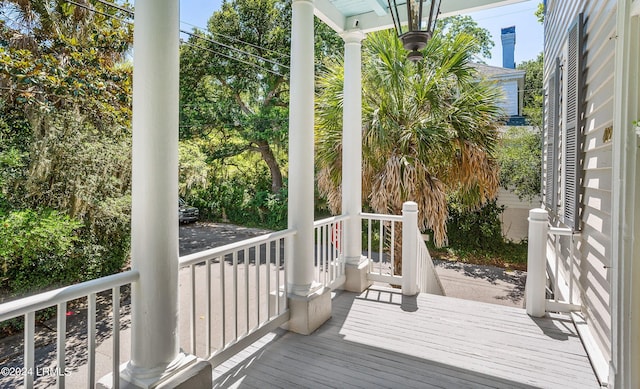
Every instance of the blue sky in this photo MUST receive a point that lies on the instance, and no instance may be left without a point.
(528, 30)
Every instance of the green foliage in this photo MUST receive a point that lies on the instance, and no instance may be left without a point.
(65, 142)
(533, 89)
(74, 169)
(520, 159)
(508, 255)
(244, 199)
(38, 250)
(480, 229)
(193, 169)
(11, 166)
(476, 237)
(540, 13)
(243, 98)
(455, 25)
(57, 56)
(429, 129)
(271, 208)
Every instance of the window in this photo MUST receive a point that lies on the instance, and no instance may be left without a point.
(564, 138)
(572, 155)
(552, 139)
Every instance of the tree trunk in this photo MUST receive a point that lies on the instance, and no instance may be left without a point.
(397, 270)
(274, 168)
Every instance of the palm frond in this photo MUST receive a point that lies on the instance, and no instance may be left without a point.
(428, 130)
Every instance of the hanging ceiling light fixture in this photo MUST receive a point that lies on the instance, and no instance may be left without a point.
(418, 30)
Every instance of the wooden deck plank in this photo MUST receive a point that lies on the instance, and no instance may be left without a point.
(459, 329)
(379, 340)
(486, 345)
(456, 335)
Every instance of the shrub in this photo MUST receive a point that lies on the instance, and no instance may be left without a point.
(520, 161)
(46, 249)
(479, 229)
(245, 199)
(39, 249)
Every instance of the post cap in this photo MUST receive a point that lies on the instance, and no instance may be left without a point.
(409, 206)
(538, 214)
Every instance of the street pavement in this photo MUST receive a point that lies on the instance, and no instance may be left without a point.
(487, 284)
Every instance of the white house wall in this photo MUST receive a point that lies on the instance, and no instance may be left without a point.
(515, 226)
(593, 248)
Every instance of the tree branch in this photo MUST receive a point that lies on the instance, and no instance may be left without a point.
(236, 96)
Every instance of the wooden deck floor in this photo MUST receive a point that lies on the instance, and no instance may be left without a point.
(379, 339)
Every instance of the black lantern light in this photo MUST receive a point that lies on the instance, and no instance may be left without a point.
(419, 27)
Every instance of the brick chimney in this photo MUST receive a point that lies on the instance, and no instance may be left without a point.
(508, 47)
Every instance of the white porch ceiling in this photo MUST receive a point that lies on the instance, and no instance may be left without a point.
(373, 15)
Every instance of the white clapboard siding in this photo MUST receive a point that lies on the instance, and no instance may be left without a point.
(593, 248)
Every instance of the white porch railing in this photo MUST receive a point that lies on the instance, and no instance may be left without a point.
(419, 273)
(237, 294)
(329, 262)
(381, 246)
(562, 272)
(552, 263)
(428, 280)
(59, 298)
(230, 296)
(545, 265)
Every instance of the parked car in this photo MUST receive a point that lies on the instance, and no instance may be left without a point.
(187, 213)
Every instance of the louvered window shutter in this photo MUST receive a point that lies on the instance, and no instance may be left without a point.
(572, 155)
(551, 177)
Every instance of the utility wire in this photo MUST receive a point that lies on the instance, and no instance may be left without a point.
(116, 6)
(233, 58)
(96, 11)
(185, 32)
(233, 48)
(131, 12)
(237, 40)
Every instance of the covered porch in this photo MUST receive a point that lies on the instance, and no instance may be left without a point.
(240, 294)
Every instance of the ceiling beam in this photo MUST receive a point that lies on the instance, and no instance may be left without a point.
(379, 6)
(330, 15)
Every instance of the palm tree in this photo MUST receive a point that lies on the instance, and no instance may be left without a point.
(429, 130)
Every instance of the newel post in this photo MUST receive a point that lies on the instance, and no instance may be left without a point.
(537, 263)
(409, 248)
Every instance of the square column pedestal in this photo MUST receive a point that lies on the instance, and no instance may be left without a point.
(357, 276)
(308, 313)
(191, 372)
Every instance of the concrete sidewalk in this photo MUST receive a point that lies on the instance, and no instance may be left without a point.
(487, 284)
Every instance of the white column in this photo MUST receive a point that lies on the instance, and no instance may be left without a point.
(409, 248)
(154, 215)
(537, 263)
(624, 273)
(352, 146)
(301, 149)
